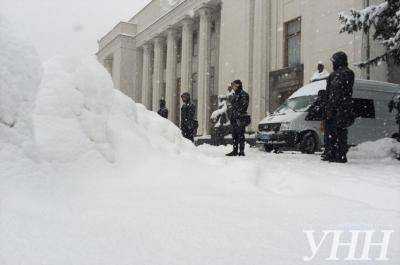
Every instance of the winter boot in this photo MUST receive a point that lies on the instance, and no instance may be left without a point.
(327, 156)
(342, 159)
(233, 153)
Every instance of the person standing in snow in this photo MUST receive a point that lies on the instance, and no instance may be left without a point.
(163, 111)
(338, 110)
(189, 123)
(237, 113)
(321, 73)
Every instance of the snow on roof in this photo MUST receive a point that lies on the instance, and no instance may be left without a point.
(314, 87)
(378, 85)
(311, 89)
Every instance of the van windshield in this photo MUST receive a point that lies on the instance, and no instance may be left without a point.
(299, 104)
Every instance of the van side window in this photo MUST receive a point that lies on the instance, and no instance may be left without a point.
(364, 108)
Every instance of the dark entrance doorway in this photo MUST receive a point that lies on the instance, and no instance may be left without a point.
(213, 94)
(178, 103)
(283, 83)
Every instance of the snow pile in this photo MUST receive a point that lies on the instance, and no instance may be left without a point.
(20, 75)
(78, 112)
(381, 149)
(72, 110)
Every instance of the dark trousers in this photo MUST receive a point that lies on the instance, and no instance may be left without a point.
(336, 146)
(238, 136)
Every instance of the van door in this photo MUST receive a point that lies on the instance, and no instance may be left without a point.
(365, 126)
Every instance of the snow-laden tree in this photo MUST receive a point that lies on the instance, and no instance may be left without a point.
(384, 21)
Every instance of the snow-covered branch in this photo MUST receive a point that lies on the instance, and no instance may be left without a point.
(384, 21)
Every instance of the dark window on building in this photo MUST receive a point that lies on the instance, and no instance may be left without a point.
(164, 90)
(213, 26)
(195, 44)
(193, 91)
(213, 90)
(152, 62)
(213, 38)
(211, 80)
(179, 51)
(108, 63)
(164, 58)
(292, 42)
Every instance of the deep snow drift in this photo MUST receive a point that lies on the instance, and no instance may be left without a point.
(20, 75)
(89, 177)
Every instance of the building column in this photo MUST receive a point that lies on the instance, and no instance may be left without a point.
(146, 79)
(158, 71)
(186, 62)
(171, 74)
(260, 88)
(203, 111)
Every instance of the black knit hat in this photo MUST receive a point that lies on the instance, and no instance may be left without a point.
(186, 94)
(339, 59)
(239, 83)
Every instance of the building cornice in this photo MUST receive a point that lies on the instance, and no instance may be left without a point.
(187, 10)
(115, 40)
(122, 28)
(184, 10)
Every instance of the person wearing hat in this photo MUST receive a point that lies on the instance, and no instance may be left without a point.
(321, 73)
(237, 113)
(163, 111)
(189, 122)
(338, 109)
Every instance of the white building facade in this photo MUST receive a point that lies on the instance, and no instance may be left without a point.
(200, 46)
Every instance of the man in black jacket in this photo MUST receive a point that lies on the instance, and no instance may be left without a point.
(237, 113)
(188, 118)
(339, 114)
(163, 111)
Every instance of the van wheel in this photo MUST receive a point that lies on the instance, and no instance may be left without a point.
(309, 143)
(268, 148)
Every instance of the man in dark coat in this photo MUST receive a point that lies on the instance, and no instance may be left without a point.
(163, 111)
(339, 112)
(237, 113)
(189, 123)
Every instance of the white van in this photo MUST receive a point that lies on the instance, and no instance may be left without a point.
(287, 127)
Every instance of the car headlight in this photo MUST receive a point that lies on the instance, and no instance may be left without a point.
(285, 126)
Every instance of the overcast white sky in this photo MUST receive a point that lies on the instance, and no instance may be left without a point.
(70, 27)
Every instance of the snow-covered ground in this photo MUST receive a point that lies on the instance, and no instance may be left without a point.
(192, 208)
(89, 177)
